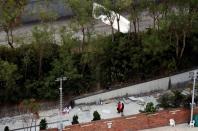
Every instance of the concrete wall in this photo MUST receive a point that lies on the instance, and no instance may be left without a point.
(154, 85)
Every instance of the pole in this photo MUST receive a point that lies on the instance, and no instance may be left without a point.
(193, 96)
(61, 79)
(61, 102)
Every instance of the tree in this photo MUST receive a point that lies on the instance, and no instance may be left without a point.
(107, 11)
(43, 124)
(30, 107)
(119, 6)
(75, 120)
(65, 65)
(6, 128)
(154, 10)
(43, 42)
(96, 116)
(135, 9)
(82, 16)
(8, 79)
(179, 25)
(10, 11)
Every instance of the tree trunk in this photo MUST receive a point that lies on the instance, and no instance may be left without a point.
(26, 67)
(83, 41)
(112, 32)
(138, 23)
(184, 44)
(118, 22)
(153, 22)
(177, 44)
(134, 25)
(11, 34)
(40, 63)
(31, 124)
(8, 37)
(35, 124)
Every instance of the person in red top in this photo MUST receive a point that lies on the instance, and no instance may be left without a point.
(119, 107)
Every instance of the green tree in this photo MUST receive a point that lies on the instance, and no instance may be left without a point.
(82, 16)
(43, 42)
(10, 12)
(107, 11)
(43, 124)
(31, 107)
(75, 120)
(8, 78)
(6, 128)
(96, 116)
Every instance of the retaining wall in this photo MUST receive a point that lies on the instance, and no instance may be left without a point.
(154, 85)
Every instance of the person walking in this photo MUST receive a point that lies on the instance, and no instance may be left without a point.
(122, 109)
(119, 107)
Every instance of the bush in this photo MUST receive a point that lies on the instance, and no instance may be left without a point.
(43, 124)
(150, 108)
(177, 99)
(174, 99)
(6, 128)
(96, 116)
(75, 120)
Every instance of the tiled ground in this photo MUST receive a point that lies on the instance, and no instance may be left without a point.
(107, 110)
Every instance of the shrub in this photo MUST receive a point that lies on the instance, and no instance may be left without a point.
(6, 128)
(96, 116)
(75, 120)
(173, 99)
(177, 99)
(43, 124)
(150, 108)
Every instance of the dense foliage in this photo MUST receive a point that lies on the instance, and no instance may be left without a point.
(43, 124)
(96, 116)
(175, 99)
(6, 128)
(169, 45)
(75, 120)
(150, 108)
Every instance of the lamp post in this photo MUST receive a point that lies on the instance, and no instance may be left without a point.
(193, 75)
(61, 79)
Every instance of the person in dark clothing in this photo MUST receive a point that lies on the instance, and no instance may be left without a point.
(122, 107)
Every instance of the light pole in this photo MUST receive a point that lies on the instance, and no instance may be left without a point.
(61, 79)
(194, 76)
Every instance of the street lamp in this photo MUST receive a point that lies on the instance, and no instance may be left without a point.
(61, 79)
(193, 75)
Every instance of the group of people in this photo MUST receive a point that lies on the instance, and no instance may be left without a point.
(120, 107)
(66, 109)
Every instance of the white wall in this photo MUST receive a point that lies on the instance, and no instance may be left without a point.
(159, 84)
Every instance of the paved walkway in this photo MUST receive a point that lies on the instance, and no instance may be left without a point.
(85, 114)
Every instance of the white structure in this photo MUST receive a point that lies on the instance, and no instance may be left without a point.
(123, 22)
(61, 79)
(194, 76)
(172, 122)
